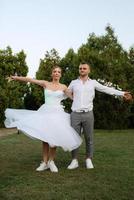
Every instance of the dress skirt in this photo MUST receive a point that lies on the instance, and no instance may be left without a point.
(49, 124)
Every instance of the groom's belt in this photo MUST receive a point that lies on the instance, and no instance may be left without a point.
(82, 111)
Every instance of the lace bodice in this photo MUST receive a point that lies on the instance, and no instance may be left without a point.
(54, 97)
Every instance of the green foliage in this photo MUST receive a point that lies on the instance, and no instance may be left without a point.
(110, 65)
(12, 93)
(111, 112)
(69, 65)
(45, 68)
(44, 73)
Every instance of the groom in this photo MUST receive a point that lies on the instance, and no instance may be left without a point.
(83, 91)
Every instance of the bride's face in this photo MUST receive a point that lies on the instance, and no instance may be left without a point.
(56, 73)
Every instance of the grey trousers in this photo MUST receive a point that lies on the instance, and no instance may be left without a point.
(86, 121)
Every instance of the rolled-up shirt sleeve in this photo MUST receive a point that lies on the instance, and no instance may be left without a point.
(108, 90)
(70, 87)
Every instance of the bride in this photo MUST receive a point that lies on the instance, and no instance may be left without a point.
(49, 123)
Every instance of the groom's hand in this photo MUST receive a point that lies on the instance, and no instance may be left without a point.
(127, 96)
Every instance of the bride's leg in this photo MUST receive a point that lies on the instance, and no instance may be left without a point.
(43, 166)
(52, 153)
(45, 151)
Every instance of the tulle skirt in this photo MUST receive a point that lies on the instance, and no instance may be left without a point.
(49, 124)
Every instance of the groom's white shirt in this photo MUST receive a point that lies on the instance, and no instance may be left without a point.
(84, 93)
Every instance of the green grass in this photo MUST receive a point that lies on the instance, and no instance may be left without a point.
(111, 179)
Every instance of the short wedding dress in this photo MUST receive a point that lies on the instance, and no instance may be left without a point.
(50, 123)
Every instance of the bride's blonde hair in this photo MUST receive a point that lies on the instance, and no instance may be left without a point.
(56, 66)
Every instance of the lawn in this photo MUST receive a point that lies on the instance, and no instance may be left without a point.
(111, 179)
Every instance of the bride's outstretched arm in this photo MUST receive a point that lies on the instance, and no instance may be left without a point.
(27, 79)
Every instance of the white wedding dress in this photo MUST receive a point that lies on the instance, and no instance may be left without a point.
(49, 123)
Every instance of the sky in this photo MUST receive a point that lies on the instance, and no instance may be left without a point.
(37, 26)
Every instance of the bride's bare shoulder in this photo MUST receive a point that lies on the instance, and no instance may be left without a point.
(64, 87)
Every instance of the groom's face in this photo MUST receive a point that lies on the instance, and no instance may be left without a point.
(84, 69)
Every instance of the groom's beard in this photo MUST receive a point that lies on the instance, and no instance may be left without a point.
(83, 75)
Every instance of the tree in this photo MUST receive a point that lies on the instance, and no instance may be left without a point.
(69, 64)
(130, 78)
(12, 93)
(110, 64)
(36, 94)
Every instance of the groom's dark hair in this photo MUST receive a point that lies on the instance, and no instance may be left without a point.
(85, 63)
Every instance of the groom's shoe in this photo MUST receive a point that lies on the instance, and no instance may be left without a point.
(89, 164)
(43, 166)
(73, 165)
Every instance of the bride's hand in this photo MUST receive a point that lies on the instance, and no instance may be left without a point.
(10, 78)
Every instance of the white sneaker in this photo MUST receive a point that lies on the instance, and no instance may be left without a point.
(43, 166)
(73, 165)
(89, 164)
(52, 166)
